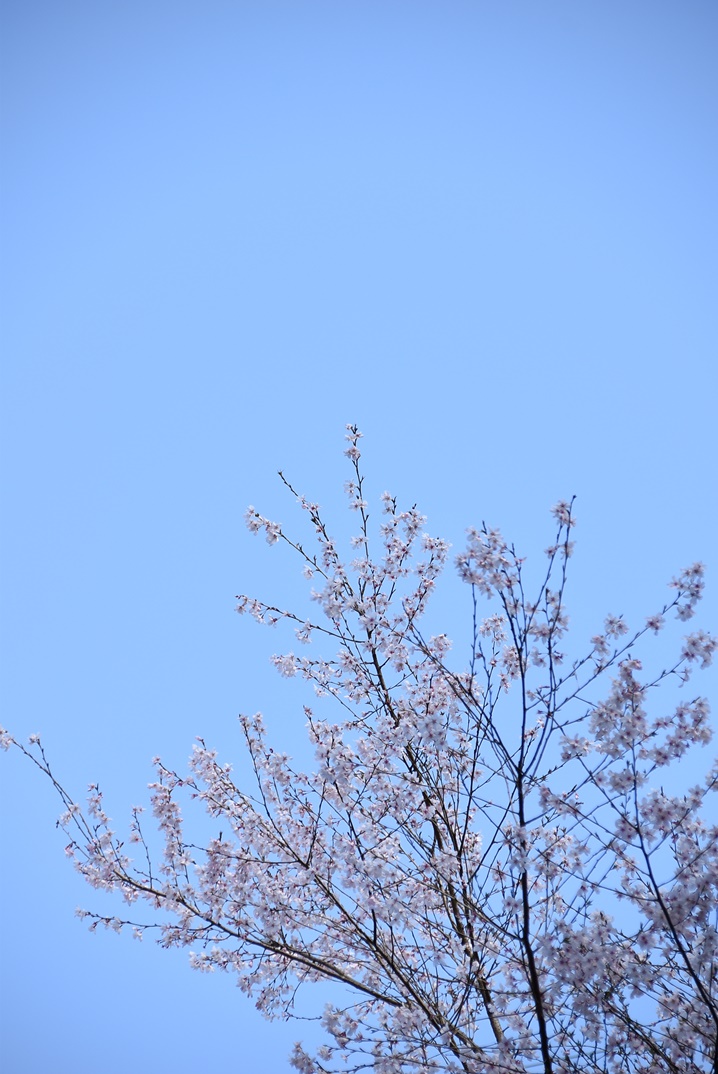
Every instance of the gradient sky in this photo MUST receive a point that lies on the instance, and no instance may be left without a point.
(484, 231)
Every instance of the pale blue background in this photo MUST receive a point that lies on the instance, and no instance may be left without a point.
(484, 231)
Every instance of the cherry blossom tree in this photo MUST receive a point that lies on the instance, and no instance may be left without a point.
(484, 860)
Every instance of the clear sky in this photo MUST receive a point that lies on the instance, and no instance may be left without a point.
(484, 231)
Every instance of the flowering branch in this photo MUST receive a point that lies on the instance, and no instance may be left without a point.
(484, 861)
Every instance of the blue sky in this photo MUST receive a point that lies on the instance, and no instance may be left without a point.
(484, 231)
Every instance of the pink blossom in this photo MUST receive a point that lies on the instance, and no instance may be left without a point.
(699, 646)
